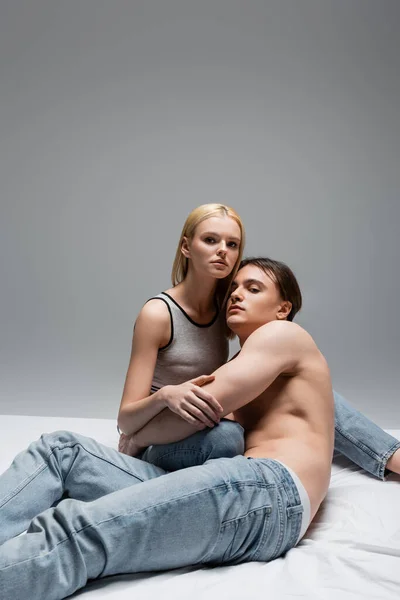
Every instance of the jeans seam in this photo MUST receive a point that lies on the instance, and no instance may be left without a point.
(73, 444)
(181, 451)
(380, 459)
(23, 484)
(254, 556)
(388, 454)
(265, 507)
(357, 443)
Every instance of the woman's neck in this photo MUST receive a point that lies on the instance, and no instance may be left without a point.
(196, 293)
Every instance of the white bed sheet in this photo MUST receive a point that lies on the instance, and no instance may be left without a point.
(351, 550)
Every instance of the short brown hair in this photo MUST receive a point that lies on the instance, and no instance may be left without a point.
(284, 278)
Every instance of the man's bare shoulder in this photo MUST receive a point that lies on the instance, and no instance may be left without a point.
(287, 343)
(282, 332)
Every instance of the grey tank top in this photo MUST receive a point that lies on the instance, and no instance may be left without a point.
(192, 349)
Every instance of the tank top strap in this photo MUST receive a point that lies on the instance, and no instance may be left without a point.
(170, 310)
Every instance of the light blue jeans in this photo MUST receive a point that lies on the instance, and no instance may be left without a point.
(90, 512)
(86, 516)
(356, 437)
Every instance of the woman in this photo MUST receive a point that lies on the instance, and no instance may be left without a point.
(180, 335)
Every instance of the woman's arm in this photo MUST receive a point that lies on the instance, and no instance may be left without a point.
(188, 400)
(152, 330)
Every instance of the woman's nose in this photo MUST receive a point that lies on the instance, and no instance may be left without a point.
(222, 249)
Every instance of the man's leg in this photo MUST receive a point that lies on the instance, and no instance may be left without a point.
(58, 464)
(361, 440)
(224, 511)
(225, 440)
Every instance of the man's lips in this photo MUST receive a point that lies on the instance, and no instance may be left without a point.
(235, 307)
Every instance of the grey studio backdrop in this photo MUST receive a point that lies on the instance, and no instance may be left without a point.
(117, 118)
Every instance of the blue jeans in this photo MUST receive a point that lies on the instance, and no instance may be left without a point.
(225, 440)
(92, 512)
(356, 437)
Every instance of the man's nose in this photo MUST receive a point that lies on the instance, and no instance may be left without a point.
(235, 295)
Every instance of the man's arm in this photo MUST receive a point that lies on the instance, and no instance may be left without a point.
(272, 349)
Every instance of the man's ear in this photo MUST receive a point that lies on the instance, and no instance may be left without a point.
(284, 310)
(185, 247)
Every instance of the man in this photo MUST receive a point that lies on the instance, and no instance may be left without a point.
(264, 391)
(251, 507)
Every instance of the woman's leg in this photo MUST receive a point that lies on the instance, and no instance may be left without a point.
(361, 440)
(63, 464)
(225, 440)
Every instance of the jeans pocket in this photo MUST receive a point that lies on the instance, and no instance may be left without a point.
(294, 515)
(239, 539)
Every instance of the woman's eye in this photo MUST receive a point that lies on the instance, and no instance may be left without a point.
(254, 290)
(209, 240)
(232, 245)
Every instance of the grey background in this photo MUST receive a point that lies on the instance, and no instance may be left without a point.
(117, 118)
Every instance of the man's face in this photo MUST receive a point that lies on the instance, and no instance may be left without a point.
(254, 301)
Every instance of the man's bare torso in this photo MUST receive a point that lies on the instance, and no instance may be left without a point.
(292, 421)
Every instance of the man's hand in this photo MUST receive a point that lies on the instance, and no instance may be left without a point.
(127, 445)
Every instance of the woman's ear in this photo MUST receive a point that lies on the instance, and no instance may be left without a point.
(284, 310)
(185, 247)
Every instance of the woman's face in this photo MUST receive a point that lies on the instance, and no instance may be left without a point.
(214, 248)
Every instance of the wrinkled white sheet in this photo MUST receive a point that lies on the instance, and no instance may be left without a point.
(351, 550)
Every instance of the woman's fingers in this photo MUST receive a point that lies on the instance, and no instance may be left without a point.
(203, 379)
(200, 410)
(191, 420)
(211, 403)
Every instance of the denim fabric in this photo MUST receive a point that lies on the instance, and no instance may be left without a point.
(126, 516)
(356, 437)
(225, 440)
(361, 440)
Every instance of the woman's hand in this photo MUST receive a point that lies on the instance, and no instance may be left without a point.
(191, 403)
(127, 445)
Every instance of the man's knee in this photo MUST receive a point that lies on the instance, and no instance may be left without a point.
(59, 438)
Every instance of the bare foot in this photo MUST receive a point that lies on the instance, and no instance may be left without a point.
(393, 464)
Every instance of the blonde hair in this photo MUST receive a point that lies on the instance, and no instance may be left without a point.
(181, 263)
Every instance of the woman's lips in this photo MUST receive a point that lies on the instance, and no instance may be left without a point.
(220, 262)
